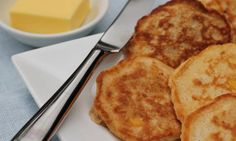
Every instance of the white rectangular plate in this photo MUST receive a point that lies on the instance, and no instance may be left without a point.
(44, 70)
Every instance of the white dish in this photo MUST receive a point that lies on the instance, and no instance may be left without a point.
(45, 69)
(98, 10)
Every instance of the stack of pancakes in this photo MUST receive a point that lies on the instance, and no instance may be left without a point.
(178, 78)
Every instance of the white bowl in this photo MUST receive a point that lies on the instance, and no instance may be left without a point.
(98, 10)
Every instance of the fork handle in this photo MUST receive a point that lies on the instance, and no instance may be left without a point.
(44, 124)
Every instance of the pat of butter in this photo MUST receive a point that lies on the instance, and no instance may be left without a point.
(48, 16)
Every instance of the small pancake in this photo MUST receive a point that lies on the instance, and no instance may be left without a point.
(202, 78)
(178, 30)
(133, 101)
(226, 8)
(213, 122)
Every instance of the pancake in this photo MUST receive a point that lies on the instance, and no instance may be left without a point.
(133, 101)
(213, 122)
(226, 8)
(202, 78)
(176, 31)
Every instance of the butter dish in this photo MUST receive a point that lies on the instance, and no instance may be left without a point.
(98, 8)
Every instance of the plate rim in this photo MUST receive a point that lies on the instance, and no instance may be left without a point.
(17, 61)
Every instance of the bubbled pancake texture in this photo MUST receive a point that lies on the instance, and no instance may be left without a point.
(202, 78)
(226, 8)
(133, 101)
(213, 122)
(176, 31)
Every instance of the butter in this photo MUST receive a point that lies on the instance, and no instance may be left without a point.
(48, 16)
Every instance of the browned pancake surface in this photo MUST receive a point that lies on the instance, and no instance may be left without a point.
(213, 122)
(133, 101)
(178, 30)
(226, 8)
(200, 79)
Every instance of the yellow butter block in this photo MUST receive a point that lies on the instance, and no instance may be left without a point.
(48, 16)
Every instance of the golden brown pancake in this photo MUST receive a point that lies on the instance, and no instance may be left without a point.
(133, 101)
(202, 78)
(178, 30)
(213, 122)
(226, 8)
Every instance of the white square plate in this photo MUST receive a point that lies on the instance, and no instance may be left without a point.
(44, 70)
